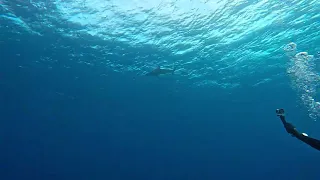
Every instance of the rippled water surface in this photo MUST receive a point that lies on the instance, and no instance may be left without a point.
(212, 43)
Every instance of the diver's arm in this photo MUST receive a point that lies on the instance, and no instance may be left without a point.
(289, 127)
(315, 143)
(283, 119)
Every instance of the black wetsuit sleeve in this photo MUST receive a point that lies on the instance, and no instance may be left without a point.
(315, 143)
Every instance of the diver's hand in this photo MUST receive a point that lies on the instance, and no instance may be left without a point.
(290, 128)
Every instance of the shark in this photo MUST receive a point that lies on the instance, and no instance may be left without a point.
(160, 71)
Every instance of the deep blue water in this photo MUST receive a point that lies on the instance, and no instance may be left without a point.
(71, 110)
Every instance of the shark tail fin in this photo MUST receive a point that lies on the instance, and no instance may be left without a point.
(174, 69)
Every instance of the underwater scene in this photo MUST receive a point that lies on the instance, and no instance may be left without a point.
(159, 89)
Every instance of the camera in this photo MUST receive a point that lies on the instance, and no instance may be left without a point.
(280, 112)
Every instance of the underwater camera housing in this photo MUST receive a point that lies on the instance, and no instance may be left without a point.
(280, 112)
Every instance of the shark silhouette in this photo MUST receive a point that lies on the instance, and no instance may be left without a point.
(160, 71)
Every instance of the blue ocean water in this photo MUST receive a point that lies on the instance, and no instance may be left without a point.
(75, 103)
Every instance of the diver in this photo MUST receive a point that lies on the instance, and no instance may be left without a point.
(293, 131)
